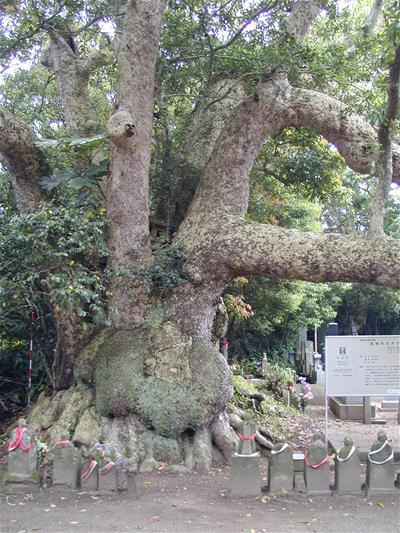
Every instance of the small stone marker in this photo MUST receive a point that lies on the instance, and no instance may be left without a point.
(90, 477)
(380, 461)
(245, 467)
(347, 468)
(280, 468)
(298, 466)
(316, 465)
(108, 478)
(22, 463)
(66, 463)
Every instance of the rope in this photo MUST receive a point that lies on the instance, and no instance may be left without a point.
(86, 473)
(106, 468)
(243, 437)
(283, 448)
(324, 461)
(17, 443)
(374, 452)
(63, 442)
(344, 459)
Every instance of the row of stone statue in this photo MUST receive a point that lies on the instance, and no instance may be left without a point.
(104, 473)
(309, 472)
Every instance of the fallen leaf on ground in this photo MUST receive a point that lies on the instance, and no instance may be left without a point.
(155, 518)
(381, 504)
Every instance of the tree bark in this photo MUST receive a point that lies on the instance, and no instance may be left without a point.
(130, 150)
(25, 161)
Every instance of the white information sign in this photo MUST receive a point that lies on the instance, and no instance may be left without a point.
(362, 365)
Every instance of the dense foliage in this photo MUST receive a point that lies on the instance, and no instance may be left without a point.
(299, 181)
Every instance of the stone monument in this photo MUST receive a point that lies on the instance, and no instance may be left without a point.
(66, 463)
(298, 466)
(90, 476)
(316, 465)
(245, 467)
(380, 461)
(280, 468)
(108, 478)
(347, 468)
(22, 463)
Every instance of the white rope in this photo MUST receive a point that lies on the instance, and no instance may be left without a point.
(381, 462)
(344, 459)
(379, 449)
(275, 452)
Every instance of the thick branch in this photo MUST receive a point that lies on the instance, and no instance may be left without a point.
(72, 80)
(385, 162)
(274, 106)
(130, 150)
(250, 248)
(24, 160)
(301, 17)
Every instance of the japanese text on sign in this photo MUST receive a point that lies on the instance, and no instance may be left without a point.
(363, 365)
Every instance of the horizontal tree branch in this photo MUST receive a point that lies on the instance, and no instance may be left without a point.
(239, 247)
(253, 248)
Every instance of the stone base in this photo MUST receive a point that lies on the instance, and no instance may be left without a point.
(299, 482)
(280, 477)
(109, 481)
(317, 479)
(380, 478)
(91, 484)
(347, 476)
(18, 484)
(246, 475)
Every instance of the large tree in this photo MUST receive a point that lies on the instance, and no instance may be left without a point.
(153, 378)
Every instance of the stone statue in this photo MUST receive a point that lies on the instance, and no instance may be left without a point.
(247, 436)
(380, 475)
(380, 449)
(347, 468)
(21, 437)
(22, 455)
(66, 463)
(280, 468)
(316, 465)
(245, 465)
(346, 452)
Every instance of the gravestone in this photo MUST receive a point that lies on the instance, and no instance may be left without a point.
(22, 461)
(108, 478)
(347, 468)
(90, 477)
(280, 468)
(298, 467)
(245, 466)
(66, 463)
(380, 461)
(316, 465)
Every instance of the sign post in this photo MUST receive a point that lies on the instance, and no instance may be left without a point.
(362, 365)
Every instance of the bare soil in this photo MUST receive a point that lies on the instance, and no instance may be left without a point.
(200, 502)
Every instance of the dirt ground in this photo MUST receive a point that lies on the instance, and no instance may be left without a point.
(200, 502)
(173, 503)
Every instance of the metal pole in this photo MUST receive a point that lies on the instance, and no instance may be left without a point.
(315, 338)
(30, 357)
(326, 395)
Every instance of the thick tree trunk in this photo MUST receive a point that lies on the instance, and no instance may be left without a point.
(70, 340)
